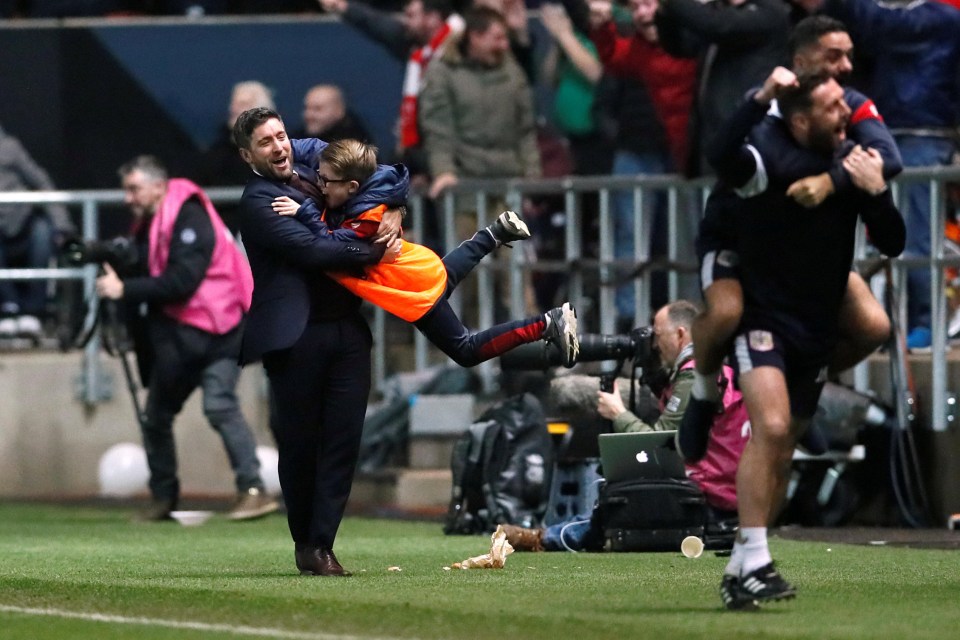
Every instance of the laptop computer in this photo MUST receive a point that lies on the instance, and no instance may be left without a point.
(650, 455)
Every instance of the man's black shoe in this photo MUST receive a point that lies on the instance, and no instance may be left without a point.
(766, 585)
(694, 432)
(733, 598)
(318, 561)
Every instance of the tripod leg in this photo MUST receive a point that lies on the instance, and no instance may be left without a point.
(132, 387)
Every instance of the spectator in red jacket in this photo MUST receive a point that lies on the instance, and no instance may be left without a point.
(669, 80)
(670, 83)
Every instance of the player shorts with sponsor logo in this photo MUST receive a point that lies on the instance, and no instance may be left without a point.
(805, 376)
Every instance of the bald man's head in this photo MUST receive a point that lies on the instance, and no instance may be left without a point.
(323, 107)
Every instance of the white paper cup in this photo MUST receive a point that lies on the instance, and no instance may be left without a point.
(692, 546)
(191, 518)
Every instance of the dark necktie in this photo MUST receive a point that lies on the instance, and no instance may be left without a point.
(307, 188)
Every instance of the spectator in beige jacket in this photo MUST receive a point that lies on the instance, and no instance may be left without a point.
(476, 108)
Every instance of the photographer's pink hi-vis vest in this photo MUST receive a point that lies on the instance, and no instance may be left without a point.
(223, 297)
(716, 472)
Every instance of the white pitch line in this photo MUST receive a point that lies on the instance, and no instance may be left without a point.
(181, 624)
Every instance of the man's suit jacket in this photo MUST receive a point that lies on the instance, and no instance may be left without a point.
(286, 259)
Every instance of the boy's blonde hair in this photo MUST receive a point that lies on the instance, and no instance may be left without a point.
(352, 159)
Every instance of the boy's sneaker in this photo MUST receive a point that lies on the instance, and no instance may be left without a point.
(919, 340)
(733, 598)
(766, 584)
(562, 332)
(508, 227)
(694, 432)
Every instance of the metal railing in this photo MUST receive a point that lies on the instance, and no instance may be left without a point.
(940, 411)
(592, 273)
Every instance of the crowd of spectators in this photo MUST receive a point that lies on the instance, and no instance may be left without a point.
(28, 235)
(635, 86)
(192, 8)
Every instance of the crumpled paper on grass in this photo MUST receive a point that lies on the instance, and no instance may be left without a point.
(499, 550)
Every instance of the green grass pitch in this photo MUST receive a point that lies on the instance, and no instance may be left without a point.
(76, 572)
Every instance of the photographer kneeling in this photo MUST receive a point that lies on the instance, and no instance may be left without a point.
(196, 286)
(715, 473)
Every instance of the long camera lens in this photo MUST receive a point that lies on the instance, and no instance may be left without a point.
(594, 347)
(119, 252)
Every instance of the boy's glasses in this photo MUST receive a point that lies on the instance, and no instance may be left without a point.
(324, 181)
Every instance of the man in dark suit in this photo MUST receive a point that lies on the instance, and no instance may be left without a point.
(308, 331)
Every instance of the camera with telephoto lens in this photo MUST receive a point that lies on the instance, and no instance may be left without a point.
(636, 346)
(572, 401)
(120, 253)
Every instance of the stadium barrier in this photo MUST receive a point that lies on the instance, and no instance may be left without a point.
(569, 206)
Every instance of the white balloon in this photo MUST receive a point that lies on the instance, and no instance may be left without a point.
(269, 458)
(123, 470)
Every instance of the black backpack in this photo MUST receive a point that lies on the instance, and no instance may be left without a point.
(501, 469)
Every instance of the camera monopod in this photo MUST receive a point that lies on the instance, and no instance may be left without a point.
(116, 343)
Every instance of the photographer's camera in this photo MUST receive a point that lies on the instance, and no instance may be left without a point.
(636, 346)
(119, 252)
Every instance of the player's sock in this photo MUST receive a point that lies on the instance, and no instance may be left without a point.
(705, 386)
(736, 560)
(756, 553)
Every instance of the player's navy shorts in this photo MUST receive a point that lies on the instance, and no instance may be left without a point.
(716, 238)
(805, 375)
(718, 264)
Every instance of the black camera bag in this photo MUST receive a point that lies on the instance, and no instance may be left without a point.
(651, 515)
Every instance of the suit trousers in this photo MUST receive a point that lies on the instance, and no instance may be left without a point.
(319, 389)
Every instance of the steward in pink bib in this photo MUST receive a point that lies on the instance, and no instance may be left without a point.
(223, 297)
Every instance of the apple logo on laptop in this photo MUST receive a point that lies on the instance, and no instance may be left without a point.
(643, 457)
